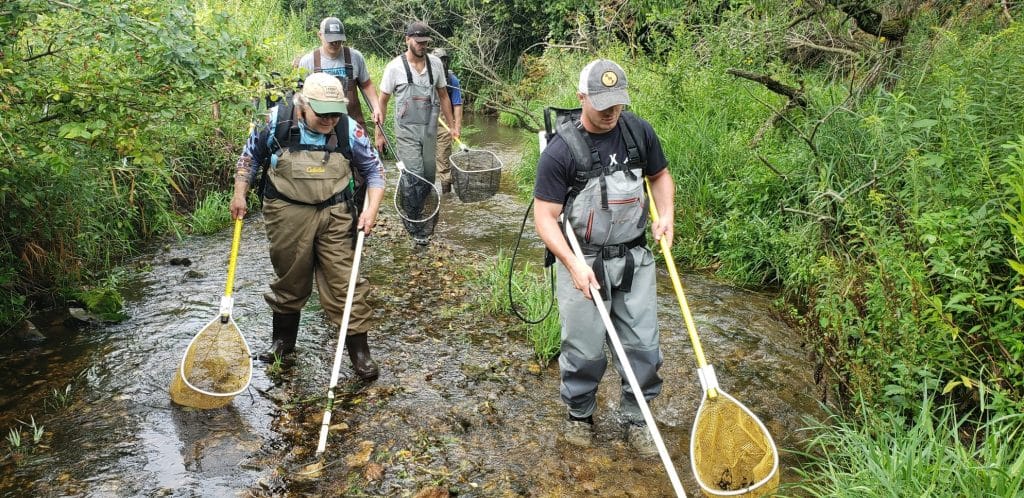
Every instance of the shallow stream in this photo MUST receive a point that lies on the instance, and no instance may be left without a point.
(462, 407)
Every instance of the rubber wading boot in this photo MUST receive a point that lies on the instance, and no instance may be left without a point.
(286, 328)
(359, 352)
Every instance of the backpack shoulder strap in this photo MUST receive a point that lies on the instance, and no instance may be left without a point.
(286, 126)
(636, 139)
(342, 136)
(316, 61)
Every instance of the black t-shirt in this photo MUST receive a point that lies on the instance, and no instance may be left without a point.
(556, 170)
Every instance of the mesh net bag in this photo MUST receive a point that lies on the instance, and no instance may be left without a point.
(731, 451)
(476, 174)
(215, 368)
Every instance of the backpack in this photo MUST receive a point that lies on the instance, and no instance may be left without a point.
(558, 121)
(286, 136)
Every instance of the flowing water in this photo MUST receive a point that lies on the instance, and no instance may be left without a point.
(462, 407)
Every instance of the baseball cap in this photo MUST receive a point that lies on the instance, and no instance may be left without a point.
(605, 83)
(332, 29)
(325, 93)
(419, 31)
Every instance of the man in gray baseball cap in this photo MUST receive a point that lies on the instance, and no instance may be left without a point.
(593, 172)
(604, 82)
(337, 59)
(332, 30)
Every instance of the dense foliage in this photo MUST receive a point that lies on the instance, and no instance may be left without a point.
(110, 131)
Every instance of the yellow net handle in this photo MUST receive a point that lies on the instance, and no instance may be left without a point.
(226, 302)
(462, 146)
(678, 286)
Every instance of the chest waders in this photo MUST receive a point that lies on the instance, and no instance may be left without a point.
(287, 139)
(416, 110)
(606, 205)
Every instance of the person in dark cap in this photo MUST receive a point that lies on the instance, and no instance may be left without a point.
(444, 137)
(592, 172)
(417, 81)
(336, 58)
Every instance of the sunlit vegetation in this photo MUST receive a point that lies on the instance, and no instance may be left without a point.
(933, 451)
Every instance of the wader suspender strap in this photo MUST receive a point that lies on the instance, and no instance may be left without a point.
(408, 70)
(355, 109)
(574, 129)
(286, 136)
(349, 70)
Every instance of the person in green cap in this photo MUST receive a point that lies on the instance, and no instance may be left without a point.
(308, 153)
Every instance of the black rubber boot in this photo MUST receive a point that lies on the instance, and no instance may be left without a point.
(359, 352)
(286, 329)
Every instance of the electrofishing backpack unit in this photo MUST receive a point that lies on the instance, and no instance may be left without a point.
(566, 123)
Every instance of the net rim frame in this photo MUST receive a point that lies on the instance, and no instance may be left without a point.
(760, 425)
(451, 160)
(402, 169)
(248, 377)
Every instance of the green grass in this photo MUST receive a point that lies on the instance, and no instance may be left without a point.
(212, 214)
(932, 453)
(532, 295)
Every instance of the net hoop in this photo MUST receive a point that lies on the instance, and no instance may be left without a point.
(705, 487)
(473, 185)
(398, 191)
(248, 376)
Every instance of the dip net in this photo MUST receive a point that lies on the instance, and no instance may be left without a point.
(215, 368)
(731, 452)
(476, 174)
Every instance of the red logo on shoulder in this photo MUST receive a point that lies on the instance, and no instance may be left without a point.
(359, 132)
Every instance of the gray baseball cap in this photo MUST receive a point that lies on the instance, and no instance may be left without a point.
(332, 29)
(604, 82)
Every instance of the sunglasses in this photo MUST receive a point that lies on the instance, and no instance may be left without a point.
(335, 43)
(326, 115)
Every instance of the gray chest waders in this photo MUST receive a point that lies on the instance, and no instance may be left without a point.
(606, 206)
(416, 111)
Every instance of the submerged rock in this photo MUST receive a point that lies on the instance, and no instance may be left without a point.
(27, 332)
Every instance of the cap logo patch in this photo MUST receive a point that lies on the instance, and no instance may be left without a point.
(331, 92)
(609, 78)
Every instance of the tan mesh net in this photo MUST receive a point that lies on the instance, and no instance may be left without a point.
(216, 364)
(476, 174)
(731, 451)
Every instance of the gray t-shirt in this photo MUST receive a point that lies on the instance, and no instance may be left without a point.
(395, 77)
(336, 67)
